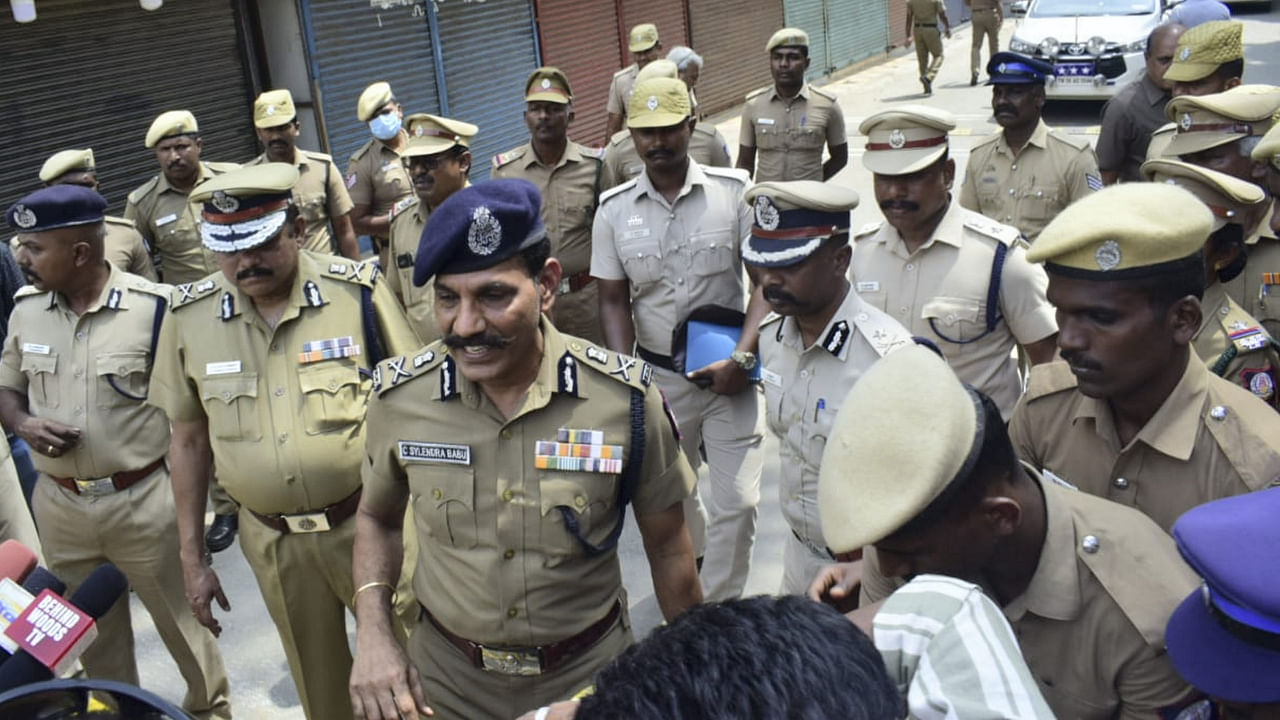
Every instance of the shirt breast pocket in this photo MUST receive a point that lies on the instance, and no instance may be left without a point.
(445, 502)
(42, 381)
(332, 397)
(768, 137)
(231, 403)
(823, 418)
(587, 499)
(712, 251)
(955, 320)
(576, 209)
(311, 207)
(642, 261)
(1039, 204)
(807, 138)
(122, 378)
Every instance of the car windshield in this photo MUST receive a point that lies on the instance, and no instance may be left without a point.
(1069, 8)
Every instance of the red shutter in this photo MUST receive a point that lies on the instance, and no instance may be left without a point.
(730, 36)
(584, 45)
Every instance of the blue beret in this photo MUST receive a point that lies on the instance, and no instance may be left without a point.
(56, 206)
(478, 227)
(1010, 68)
(1225, 637)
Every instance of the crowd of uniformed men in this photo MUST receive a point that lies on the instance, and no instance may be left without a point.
(1040, 390)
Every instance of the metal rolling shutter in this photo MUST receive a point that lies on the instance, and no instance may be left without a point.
(856, 30)
(97, 73)
(668, 15)
(354, 45)
(583, 45)
(731, 36)
(809, 15)
(489, 52)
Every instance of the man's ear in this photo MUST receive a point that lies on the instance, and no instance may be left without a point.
(1003, 513)
(549, 283)
(1184, 318)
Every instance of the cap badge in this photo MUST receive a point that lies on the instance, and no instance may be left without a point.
(1185, 53)
(485, 234)
(1001, 68)
(897, 139)
(652, 103)
(546, 83)
(271, 110)
(419, 131)
(766, 213)
(1108, 255)
(224, 202)
(1185, 122)
(23, 217)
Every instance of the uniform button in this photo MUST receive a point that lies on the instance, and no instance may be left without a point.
(512, 613)
(1014, 166)
(1039, 193)
(1224, 310)
(1090, 544)
(951, 319)
(79, 411)
(78, 372)
(226, 395)
(121, 370)
(509, 554)
(279, 391)
(911, 266)
(437, 493)
(672, 216)
(333, 385)
(1218, 413)
(290, 479)
(580, 502)
(680, 281)
(1011, 192)
(275, 347)
(80, 335)
(1121, 483)
(804, 373)
(507, 495)
(284, 438)
(506, 434)
(903, 310)
(575, 346)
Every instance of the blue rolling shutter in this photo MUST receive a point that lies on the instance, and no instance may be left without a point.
(856, 30)
(808, 15)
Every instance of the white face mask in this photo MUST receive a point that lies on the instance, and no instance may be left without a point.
(385, 126)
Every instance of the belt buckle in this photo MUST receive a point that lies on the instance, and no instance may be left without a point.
(510, 662)
(307, 522)
(565, 286)
(96, 486)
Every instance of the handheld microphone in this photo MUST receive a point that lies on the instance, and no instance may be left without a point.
(15, 598)
(16, 560)
(52, 632)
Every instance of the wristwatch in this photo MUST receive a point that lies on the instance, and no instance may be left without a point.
(745, 360)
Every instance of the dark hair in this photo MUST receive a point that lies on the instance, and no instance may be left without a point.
(1230, 69)
(1183, 277)
(1221, 241)
(760, 657)
(535, 257)
(804, 49)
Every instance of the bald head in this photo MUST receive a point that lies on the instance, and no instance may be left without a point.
(1161, 44)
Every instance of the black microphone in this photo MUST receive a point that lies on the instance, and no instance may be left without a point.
(95, 596)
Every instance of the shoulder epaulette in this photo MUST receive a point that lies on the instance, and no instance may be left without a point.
(986, 227)
(623, 368)
(757, 93)
(113, 220)
(362, 272)
(732, 173)
(217, 168)
(1049, 378)
(396, 371)
(142, 190)
(28, 291)
(503, 158)
(623, 71)
(1246, 334)
(318, 156)
(189, 293)
(620, 137)
(983, 142)
(141, 284)
(1078, 143)
(592, 152)
(770, 319)
(824, 93)
(869, 229)
(364, 150)
(616, 190)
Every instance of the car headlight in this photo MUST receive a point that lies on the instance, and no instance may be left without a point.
(1049, 47)
(1135, 46)
(1020, 46)
(1096, 45)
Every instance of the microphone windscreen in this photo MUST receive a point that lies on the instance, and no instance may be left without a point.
(16, 560)
(42, 579)
(100, 590)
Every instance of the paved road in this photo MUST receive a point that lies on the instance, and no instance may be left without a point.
(260, 682)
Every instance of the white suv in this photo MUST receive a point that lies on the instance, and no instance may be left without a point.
(1095, 45)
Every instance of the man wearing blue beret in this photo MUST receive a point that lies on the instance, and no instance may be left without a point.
(1026, 173)
(519, 449)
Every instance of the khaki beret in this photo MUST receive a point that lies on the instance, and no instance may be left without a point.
(1124, 231)
(273, 108)
(245, 207)
(792, 219)
(372, 100)
(905, 139)
(61, 163)
(787, 37)
(548, 84)
(1225, 196)
(168, 124)
(877, 474)
(1208, 121)
(643, 37)
(659, 102)
(1268, 150)
(1204, 47)
(658, 69)
(431, 134)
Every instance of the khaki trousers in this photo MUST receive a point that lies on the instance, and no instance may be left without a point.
(800, 565)
(928, 42)
(984, 24)
(136, 530)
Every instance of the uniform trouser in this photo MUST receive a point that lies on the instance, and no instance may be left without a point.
(800, 564)
(15, 517)
(458, 690)
(728, 428)
(306, 583)
(135, 529)
(578, 313)
(985, 23)
(219, 500)
(928, 42)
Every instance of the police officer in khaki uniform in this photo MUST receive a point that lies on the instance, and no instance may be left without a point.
(814, 346)
(123, 245)
(946, 273)
(568, 176)
(1229, 341)
(785, 126)
(438, 158)
(376, 179)
(1209, 59)
(1026, 173)
(1267, 152)
(73, 381)
(265, 368)
(321, 194)
(988, 15)
(1086, 584)
(663, 245)
(518, 449)
(645, 48)
(706, 145)
(922, 21)
(1131, 414)
(1219, 131)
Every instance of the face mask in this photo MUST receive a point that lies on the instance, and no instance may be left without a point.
(386, 126)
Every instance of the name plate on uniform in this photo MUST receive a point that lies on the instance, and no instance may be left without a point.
(36, 349)
(765, 121)
(222, 368)
(434, 452)
(166, 219)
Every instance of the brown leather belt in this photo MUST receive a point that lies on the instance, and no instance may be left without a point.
(528, 660)
(119, 481)
(575, 282)
(315, 521)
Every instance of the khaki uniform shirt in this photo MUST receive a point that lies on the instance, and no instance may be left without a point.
(1257, 289)
(1091, 624)
(621, 161)
(418, 302)
(804, 388)
(171, 225)
(287, 431)
(125, 248)
(376, 177)
(789, 134)
(1028, 189)
(1236, 347)
(676, 256)
(940, 292)
(320, 196)
(66, 364)
(497, 564)
(620, 90)
(569, 189)
(1209, 440)
(1128, 119)
(925, 12)
(983, 4)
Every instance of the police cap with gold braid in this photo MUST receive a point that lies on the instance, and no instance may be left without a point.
(246, 207)
(792, 219)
